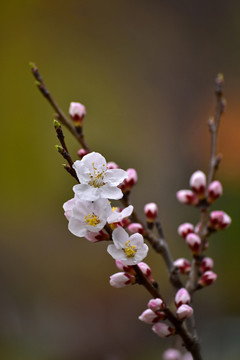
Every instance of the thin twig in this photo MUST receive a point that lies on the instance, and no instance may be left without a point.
(159, 244)
(61, 116)
(215, 159)
(191, 343)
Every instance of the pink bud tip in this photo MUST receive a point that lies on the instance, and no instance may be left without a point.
(122, 267)
(184, 311)
(187, 356)
(185, 229)
(206, 264)
(121, 279)
(197, 228)
(172, 354)
(187, 197)
(194, 243)
(214, 190)
(112, 165)
(99, 236)
(130, 181)
(198, 183)
(151, 211)
(149, 317)
(156, 304)
(82, 152)
(182, 297)
(136, 228)
(183, 265)
(219, 220)
(77, 112)
(146, 270)
(163, 330)
(208, 278)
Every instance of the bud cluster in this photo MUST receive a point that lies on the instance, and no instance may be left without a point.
(196, 236)
(199, 190)
(127, 275)
(182, 301)
(154, 315)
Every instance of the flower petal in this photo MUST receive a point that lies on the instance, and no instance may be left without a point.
(77, 227)
(120, 237)
(86, 192)
(102, 206)
(117, 254)
(115, 176)
(95, 158)
(110, 192)
(137, 239)
(116, 216)
(141, 253)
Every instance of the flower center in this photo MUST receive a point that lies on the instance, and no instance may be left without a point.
(130, 250)
(96, 177)
(92, 219)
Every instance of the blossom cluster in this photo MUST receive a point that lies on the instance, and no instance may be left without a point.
(90, 214)
(89, 211)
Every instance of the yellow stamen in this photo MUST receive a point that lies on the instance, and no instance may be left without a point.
(130, 250)
(97, 177)
(92, 219)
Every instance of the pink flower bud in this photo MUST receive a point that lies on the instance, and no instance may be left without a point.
(182, 297)
(183, 265)
(194, 242)
(121, 279)
(219, 220)
(97, 236)
(151, 211)
(214, 190)
(136, 228)
(146, 270)
(163, 330)
(130, 181)
(198, 183)
(184, 311)
(150, 317)
(122, 267)
(112, 165)
(187, 356)
(77, 112)
(206, 264)
(185, 229)
(82, 152)
(187, 197)
(208, 278)
(156, 304)
(172, 354)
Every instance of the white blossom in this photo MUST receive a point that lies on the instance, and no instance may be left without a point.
(85, 216)
(129, 249)
(96, 180)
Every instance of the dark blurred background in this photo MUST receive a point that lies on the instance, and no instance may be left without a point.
(145, 70)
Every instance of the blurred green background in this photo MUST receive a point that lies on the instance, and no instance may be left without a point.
(145, 71)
